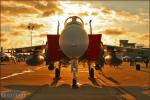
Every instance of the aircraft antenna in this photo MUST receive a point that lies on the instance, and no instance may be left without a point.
(90, 26)
(58, 28)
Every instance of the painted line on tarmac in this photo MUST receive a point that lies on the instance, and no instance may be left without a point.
(23, 72)
(15, 74)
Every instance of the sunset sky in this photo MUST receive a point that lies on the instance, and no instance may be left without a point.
(115, 20)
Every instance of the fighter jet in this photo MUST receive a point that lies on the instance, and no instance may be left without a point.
(34, 55)
(72, 46)
(110, 56)
(3, 57)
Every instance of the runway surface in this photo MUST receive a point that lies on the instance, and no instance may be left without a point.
(19, 82)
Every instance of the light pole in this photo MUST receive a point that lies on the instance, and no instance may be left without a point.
(30, 28)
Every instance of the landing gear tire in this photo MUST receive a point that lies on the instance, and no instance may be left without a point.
(97, 67)
(74, 84)
(51, 67)
(57, 73)
(91, 73)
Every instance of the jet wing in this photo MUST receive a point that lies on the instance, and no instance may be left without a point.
(127, 50)
(117, 48)
(25, 49)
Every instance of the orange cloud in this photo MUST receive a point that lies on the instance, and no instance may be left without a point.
(145, 36)
(5, 19)
(17, 7)
(41, 35)
(129, 16)
(115, 31)
(48, 13)
(16, 33)
(106, 11)
(124, 13)
(94, 13)
(50, 8)
(83, 14)
(36, 25)
(17, 10)
(2, 37)
(40, 5)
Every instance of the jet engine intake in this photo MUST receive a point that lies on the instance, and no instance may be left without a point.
(35, 59)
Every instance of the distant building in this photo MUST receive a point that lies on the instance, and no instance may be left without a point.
(139, 46)
(140, 51)
(1, 49)
(124, 43)
(131, 45)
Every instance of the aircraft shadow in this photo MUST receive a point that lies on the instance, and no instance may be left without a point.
(145, 71)
(65, 91)
(93, 80)
(110, 78)
(3, 63)
(54, 82)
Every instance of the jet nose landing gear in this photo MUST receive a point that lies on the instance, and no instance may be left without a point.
(74, 84)
(74, 70)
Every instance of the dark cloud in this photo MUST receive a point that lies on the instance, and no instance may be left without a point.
(115, 31)
(30, 25)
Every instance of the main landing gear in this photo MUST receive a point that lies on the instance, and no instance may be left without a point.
(51, 67)
(91, 73)
(57, 73)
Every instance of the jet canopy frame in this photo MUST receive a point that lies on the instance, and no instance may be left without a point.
(74, 20)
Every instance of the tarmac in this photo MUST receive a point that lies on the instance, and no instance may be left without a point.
(19, 82)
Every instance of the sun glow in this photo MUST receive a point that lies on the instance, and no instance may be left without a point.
(106, 20)
(70, 9)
